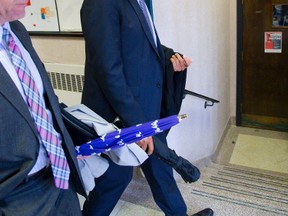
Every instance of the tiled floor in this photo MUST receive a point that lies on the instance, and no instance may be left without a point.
(261, 153)
(229, 184)
(126, 209)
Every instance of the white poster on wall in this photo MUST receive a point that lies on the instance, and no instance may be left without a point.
(41, 16)
(69, 15)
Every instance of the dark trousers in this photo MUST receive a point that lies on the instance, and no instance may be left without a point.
(110, 186)
(108, 190)
(163, 186)
(39, 196)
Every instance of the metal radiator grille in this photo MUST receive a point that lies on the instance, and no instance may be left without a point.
(66, 82)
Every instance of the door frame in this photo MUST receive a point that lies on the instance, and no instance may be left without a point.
(239, 68)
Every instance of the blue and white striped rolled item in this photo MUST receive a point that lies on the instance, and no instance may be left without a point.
(125, 136)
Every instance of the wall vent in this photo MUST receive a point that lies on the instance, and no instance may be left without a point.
(66, 82)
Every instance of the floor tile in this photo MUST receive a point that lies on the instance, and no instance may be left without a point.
(133, 209)
(261, 153)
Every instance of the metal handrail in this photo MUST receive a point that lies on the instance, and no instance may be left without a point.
(208, 101)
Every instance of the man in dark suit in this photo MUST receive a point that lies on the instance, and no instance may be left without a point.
(29, 184)
(124, 76)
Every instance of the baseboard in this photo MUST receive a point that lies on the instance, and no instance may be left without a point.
(231, 122)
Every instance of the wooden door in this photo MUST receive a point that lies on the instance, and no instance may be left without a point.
(264, 101)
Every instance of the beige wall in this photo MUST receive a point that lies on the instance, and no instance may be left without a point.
(64, 50)
(206, 31)
(202, 29)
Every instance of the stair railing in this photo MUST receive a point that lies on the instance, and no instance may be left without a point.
(208, 101)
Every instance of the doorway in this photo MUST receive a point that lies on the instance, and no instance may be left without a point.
(262, 64)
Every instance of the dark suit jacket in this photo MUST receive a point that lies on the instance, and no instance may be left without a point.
(19, 143)
(174, 86)
(124, 70)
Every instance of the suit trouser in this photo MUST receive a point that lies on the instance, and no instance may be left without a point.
(163, 186)
(108, 190)
(110, 186)
(39, 196)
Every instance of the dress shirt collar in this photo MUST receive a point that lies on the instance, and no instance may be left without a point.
(7, 26)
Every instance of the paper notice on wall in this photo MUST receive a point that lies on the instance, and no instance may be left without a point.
(69, 15)
(273, 42)
(41, 16)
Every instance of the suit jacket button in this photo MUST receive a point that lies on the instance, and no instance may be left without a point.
(158, 85)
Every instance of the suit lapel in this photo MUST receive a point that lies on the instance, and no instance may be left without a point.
(11, 93)
(144, 24)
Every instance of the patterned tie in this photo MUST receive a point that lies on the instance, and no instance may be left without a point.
(146, 15)
(48, 135)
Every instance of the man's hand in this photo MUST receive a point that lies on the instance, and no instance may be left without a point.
(180, 63)
(147, 145)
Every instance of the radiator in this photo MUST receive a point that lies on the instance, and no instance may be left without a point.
(67, 81)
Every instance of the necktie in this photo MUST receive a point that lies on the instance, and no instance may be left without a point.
(48, 135)
(147, 16)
